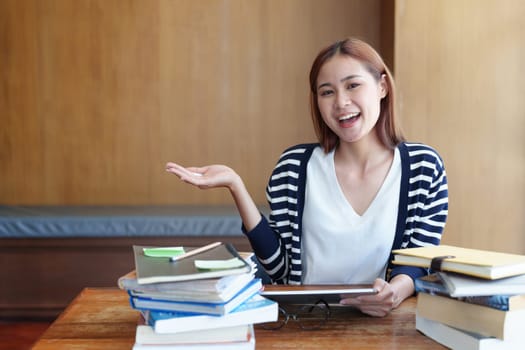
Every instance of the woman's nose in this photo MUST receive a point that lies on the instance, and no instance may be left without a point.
(342, 100)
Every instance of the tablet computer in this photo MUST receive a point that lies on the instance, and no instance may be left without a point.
(312, 293)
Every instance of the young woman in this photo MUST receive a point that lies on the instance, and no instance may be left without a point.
(340, 206)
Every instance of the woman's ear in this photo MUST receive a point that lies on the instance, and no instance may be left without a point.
(383, 86)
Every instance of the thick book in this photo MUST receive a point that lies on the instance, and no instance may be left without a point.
(205, 290)
(240, 337)
(253, 311)
(454, 338)
(161, 269)
(208, 308)
(474, 262)
(469, 317)
(309, 294)
(433, 284)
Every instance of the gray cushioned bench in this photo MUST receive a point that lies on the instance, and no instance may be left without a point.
(49, 253)
(118, 221)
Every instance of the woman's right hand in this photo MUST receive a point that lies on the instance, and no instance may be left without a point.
(210, 176)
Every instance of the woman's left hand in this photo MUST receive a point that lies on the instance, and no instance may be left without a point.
(388, 297)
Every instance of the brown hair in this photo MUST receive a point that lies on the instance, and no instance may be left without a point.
(387, 126)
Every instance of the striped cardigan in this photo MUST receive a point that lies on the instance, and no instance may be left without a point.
(423, 209)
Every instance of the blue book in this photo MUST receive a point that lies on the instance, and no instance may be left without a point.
(209, 308)
(257, 309)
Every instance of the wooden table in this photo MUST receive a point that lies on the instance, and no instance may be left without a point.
(101, 318)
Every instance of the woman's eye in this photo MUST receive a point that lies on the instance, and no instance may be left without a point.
(325, 92)
(352, 86)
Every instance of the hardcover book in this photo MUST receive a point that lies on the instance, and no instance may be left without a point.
(161, 269)
(473, 262)
(486, 321)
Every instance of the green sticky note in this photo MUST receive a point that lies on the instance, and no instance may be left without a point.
(163, 252)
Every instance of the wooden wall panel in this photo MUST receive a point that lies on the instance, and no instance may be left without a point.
(21, 156)
(98, 95)
(459, 69)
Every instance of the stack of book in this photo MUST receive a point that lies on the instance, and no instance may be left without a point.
(475, 299)
(204, 298)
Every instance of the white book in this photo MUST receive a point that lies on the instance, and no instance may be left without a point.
(454, 338)
(225, 289)
(230, 338)
(255, 310)
(460, 285)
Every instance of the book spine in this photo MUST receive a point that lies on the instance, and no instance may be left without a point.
(430, 284)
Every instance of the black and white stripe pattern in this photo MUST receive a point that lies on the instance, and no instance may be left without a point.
(423, 209)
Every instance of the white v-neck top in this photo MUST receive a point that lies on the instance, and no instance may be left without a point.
(339, 245)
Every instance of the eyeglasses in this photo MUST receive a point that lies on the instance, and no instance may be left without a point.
(308, 317)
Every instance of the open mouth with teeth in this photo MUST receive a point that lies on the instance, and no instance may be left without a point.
(349, 118)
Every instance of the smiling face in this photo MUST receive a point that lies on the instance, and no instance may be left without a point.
(349, 97)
